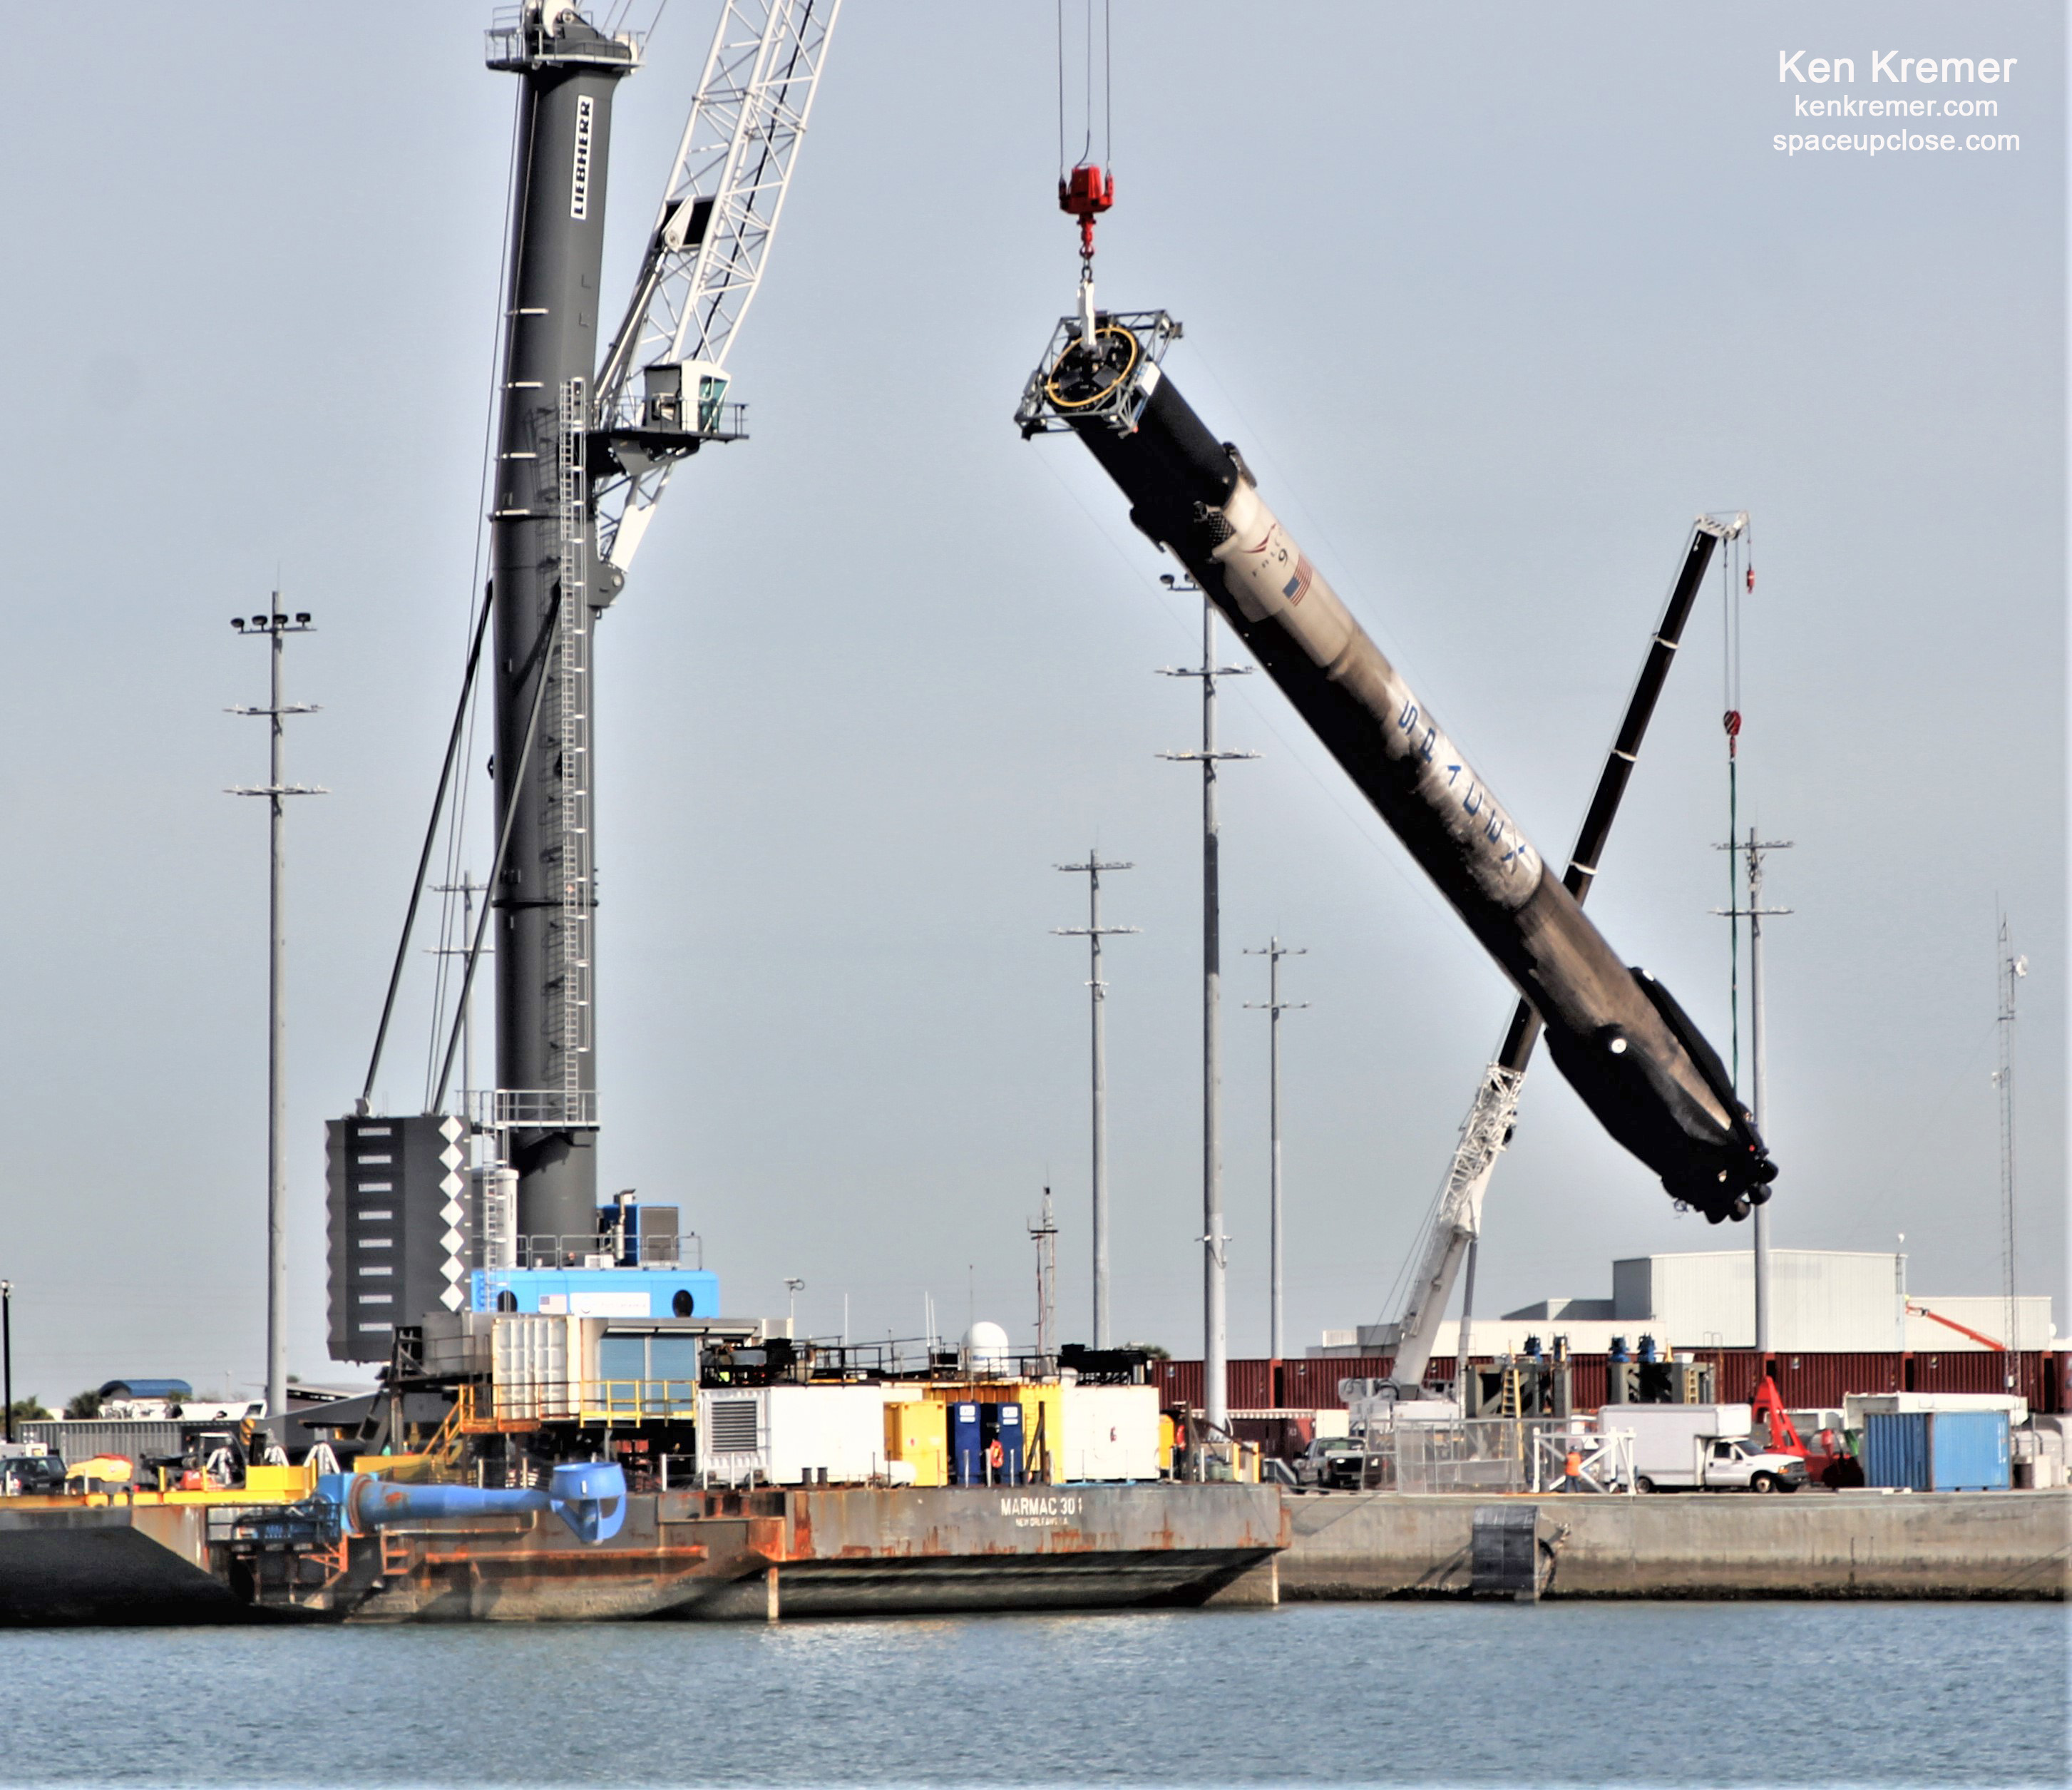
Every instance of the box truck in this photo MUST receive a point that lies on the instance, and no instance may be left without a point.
(1703, 1448)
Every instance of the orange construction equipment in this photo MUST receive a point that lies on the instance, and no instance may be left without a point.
(1951, 1324)
(1827, 1458)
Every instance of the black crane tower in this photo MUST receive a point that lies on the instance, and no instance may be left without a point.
(546, 596)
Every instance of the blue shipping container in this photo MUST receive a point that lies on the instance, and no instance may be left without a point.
(1937, 1451)
(967, 1445)
(1002, 1424)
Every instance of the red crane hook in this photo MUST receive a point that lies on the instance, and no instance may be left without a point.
(1085, 194)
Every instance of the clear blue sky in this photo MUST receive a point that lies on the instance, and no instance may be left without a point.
(1494, 298)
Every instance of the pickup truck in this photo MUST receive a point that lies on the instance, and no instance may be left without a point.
(1702, 1448)
(1332, 1462)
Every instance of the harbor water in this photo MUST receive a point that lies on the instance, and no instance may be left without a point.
(1399, 1694)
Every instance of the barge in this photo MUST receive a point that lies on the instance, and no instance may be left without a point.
(694, 1555)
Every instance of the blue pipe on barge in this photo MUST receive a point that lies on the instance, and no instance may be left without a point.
(589, 1496)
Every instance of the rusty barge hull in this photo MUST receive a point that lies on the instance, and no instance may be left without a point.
(687, 1556)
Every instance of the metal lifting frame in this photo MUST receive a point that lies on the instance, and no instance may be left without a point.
(572, 952)
(712, 237)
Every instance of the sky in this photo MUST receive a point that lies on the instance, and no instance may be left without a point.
(1494, 298)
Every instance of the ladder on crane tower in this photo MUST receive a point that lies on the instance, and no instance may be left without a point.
(571, 1031)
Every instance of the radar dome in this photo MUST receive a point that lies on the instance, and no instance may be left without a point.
(985, 1349)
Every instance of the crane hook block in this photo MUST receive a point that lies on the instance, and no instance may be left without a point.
(1085, 194)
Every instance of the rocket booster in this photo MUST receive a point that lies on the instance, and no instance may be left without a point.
(1624, 1044)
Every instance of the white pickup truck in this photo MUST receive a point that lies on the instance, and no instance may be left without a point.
(1703, 1448)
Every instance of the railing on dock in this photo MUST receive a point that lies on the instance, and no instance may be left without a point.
(1496, 1455)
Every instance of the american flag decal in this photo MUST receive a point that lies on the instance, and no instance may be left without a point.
(1298, 586)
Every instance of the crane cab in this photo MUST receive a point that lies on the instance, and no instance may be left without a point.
(686, 397)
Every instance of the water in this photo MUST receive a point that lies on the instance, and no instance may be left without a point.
(1577, 1693)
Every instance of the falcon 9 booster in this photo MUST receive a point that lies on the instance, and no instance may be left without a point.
(1624, 1044)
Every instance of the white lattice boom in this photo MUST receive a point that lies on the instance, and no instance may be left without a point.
(712, 236)
(1458, 1219)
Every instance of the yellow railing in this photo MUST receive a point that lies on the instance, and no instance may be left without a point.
(614, 1403)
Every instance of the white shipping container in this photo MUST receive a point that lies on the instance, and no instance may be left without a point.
(792, 1435)
(1110, 1433)
(1859, 1406)
(533, 1360)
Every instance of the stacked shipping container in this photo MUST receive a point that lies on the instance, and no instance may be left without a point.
(1805, 1379)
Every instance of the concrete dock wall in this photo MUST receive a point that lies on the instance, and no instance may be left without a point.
(1351, 1545)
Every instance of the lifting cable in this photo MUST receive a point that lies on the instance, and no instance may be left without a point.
(539, 661)
(1737, 574)
(1087, 155)
(454, 740)
(460, 744)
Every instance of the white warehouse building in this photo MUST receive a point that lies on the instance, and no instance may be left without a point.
(1845, 1300)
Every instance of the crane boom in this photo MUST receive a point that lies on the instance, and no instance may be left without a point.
(1486, 1132)
(705, 256)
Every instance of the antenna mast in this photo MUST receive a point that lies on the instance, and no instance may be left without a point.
(1045, 1233)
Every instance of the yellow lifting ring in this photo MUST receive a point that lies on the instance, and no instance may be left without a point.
(1129, 366)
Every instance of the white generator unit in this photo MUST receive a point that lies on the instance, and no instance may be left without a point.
(792, 1435)
(1110, 1433)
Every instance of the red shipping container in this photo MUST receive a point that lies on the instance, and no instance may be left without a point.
(1248, 1385)
(1976, 1371)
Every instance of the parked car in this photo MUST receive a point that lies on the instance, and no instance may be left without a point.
(29, 1466)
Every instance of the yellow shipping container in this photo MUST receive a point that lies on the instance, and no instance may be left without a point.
(917, 1432)
(1042, 1417)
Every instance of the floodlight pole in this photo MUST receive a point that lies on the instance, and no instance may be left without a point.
(276, 626)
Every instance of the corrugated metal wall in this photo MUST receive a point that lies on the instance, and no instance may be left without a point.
(1806, 1378)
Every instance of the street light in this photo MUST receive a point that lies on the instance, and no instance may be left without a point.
(793, 1287)
(272, 628)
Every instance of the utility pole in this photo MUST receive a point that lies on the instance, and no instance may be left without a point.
(1754, 913)
(2011, 969)
(1045, 1233)
(1093, 932)
(275, 627)
(1215, 1316)
(1275, 1006)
